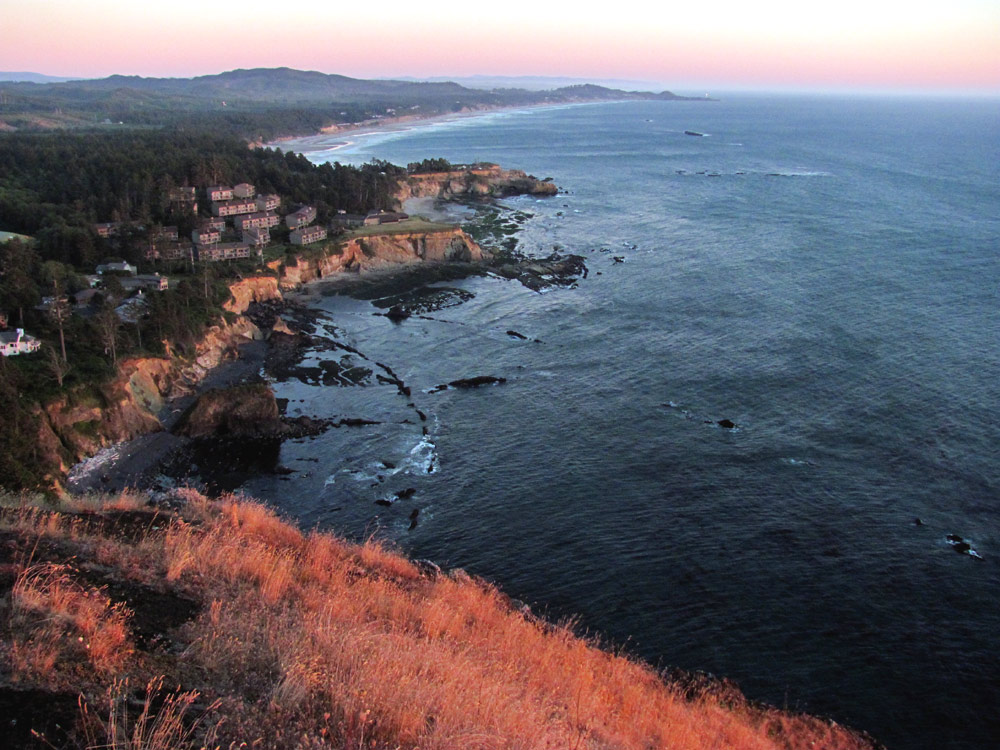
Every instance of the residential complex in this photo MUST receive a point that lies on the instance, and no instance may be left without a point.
(307, 235)
(303, 217)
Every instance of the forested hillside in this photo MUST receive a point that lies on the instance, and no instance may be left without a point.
(55, 186)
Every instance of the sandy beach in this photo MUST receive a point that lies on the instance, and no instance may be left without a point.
(338, 136)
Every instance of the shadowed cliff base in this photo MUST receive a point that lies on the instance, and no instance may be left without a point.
(195, 623)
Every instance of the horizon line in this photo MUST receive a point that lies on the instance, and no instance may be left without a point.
(704, 87)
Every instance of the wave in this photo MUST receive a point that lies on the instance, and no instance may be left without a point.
(753, 173)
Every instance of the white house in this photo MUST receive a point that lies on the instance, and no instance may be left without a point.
(17, 342)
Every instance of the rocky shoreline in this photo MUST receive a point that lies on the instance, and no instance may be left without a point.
(401, 275)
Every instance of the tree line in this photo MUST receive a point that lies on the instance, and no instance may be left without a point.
(55, 187)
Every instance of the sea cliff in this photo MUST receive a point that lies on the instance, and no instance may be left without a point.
(486, 180)
(81, 422)
(377, 251)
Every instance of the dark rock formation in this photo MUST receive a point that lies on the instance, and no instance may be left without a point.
(355, 422)
(542, 273)
(476, 381)
(397, 314)
(241, 411)
(962, 546)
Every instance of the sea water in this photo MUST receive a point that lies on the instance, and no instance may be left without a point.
(821, 272)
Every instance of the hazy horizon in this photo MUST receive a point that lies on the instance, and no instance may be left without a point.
(775, 45)
(559, 81)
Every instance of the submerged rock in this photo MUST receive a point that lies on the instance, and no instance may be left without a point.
(539, 274)
(397, 314)
(962, 546)
(356, 422)
(477, 381)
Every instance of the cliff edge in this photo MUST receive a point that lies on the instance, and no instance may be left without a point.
(480, 181)
(245, 629)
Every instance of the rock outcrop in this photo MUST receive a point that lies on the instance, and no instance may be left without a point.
(241, 411)
(254, 289)
(488, 180)
(383, 250)
(81, 422)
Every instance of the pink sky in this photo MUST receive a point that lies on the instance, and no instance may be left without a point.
(852, 44)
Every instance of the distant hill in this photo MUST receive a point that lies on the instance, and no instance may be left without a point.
(33, 77)
(535, 83)
(263, 103)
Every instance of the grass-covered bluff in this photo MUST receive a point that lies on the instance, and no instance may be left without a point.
(216, 624)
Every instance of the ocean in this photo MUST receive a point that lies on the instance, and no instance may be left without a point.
(822, 272)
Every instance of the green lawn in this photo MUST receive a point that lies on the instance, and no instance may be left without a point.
(413, 224)
(4, 236)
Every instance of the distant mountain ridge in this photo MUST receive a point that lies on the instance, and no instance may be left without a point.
(262, 103)
(532, 83)
(27, 77)
(286, 84)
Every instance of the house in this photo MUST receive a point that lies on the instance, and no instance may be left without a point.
(303, 217)
(257, 236)
(169, 251)
(268, 202)
(206, 234)
(185, 198)
(218, 193)
(151, 281)
(225, 251)
(116, 267)
(349, 220)
(85, 297)
(244, 190)
(164, 233)
(17, 342)
(307, 235)
(234, 207)
(182, 195)
(266, 219)
(3, 320)
(384, 217)
(108, 229)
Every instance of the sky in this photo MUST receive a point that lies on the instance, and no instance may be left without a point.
(861, 45)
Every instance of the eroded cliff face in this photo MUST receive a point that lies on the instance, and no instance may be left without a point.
(247, 291)
(384, 250)
(80, 423)
(490, 180)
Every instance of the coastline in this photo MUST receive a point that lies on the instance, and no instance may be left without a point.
(400, 124)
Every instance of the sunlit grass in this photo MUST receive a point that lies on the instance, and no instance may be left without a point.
(304, 640)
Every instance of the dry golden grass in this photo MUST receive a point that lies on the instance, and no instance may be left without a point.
(306, 641)
(55, 620)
